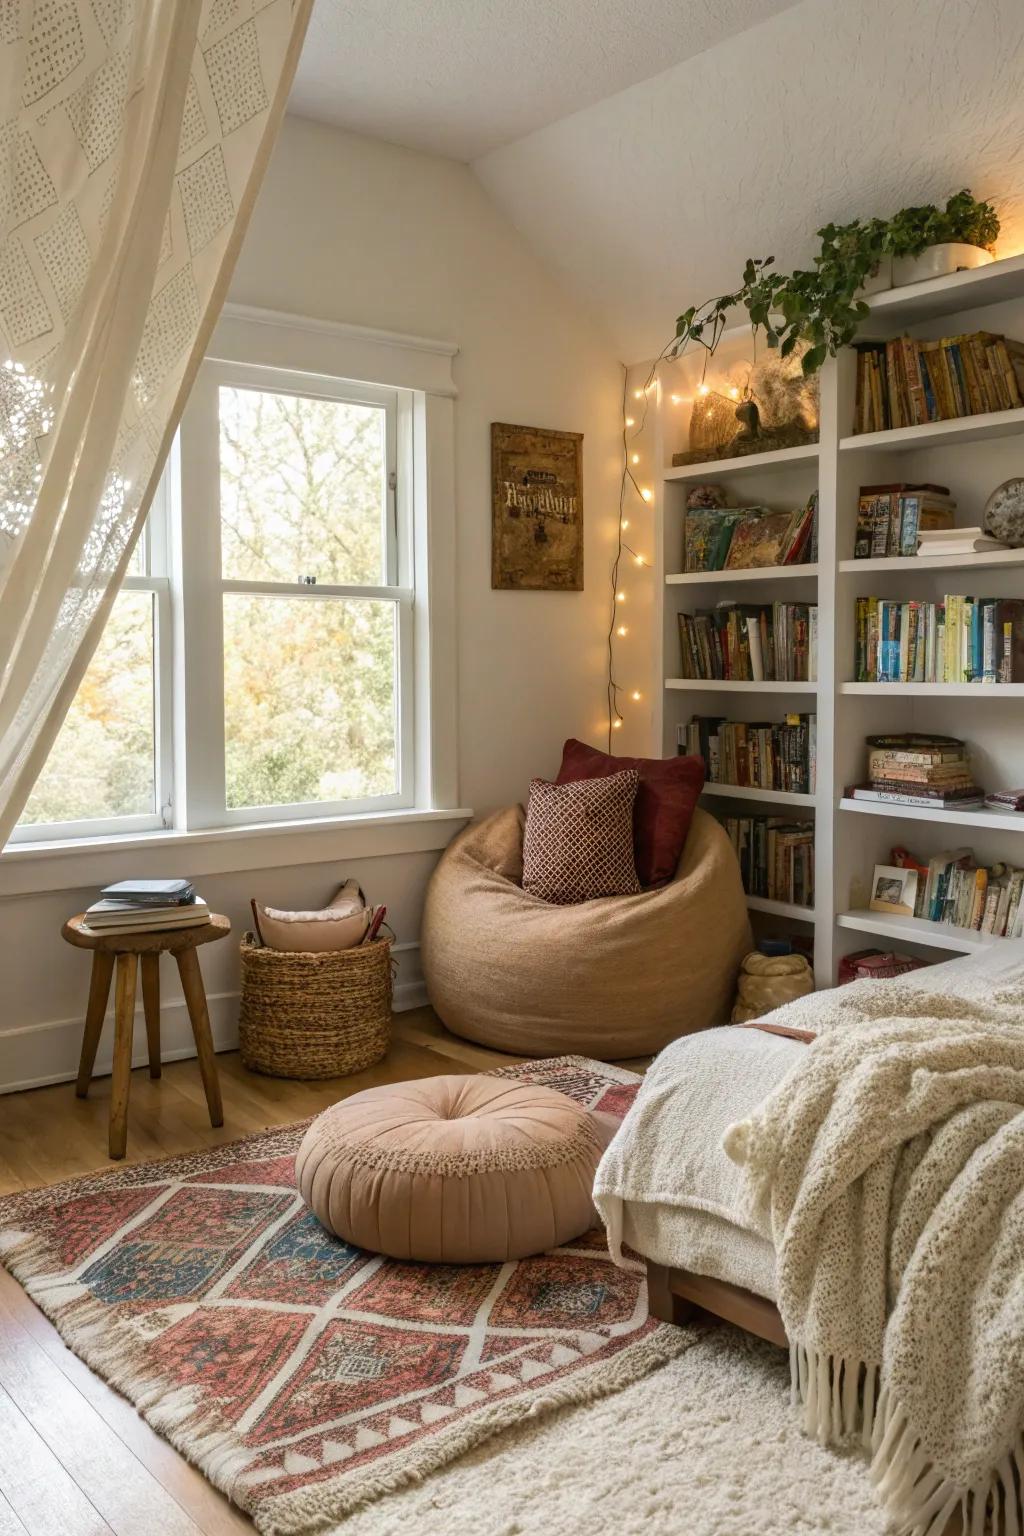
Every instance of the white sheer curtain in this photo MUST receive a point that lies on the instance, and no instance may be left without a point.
(133, 137)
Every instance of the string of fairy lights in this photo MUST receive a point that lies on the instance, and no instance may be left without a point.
(629, 488)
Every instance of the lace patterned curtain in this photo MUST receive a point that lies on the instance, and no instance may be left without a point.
(133, 137)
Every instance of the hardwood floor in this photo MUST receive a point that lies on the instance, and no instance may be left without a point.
(75, 1457)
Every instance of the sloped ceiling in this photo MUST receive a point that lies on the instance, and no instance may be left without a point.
(458, 77)
(651, 199)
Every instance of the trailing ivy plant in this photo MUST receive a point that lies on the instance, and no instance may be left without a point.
(820, 307)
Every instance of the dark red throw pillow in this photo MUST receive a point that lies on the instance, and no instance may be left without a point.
(665, 802)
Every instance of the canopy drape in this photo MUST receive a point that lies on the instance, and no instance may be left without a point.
(133, 138)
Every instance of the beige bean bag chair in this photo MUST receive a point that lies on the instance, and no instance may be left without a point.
(616, 977)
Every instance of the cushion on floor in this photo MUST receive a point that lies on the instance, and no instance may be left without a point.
(453, 1170)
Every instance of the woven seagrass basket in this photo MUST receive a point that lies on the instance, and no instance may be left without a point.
(314, 1015)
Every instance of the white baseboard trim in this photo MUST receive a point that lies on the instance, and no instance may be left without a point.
(38, 1055)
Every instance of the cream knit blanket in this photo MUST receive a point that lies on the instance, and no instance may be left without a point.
(888, 1170)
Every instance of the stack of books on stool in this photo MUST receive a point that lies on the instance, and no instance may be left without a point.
(146, 906)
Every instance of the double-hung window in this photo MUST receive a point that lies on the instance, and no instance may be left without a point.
(110, 768)
(296, 575)
(270, 656)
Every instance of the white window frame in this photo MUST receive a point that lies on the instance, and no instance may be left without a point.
(420, 370)
(197, 565)
(151, 554)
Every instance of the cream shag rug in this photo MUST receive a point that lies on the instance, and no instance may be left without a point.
(706, 1446)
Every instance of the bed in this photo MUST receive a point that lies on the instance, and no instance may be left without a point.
(666, 1190)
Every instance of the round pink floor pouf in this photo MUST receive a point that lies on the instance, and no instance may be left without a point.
(452, 1170)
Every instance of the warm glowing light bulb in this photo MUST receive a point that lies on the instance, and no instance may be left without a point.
(622, 630)
(620, 597)
(676, 399)
(635, 694)
(648, 495)
(704, 389)
(639, 559)
(638, 394)
(630, 421)
(636, 458)
(616, 725)
(734, 393)
(625, 522)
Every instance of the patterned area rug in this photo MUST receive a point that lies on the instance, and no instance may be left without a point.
(305, 1377)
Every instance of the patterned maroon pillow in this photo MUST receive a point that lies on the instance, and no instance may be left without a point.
(665, 802)
(578, 842)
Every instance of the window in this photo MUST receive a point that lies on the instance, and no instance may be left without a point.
(258, 664)
(109, 770)
(315, 622)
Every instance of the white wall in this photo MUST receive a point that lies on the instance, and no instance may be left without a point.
(651, 200)
(353, 230)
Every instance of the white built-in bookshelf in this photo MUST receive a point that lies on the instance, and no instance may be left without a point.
(972, 456)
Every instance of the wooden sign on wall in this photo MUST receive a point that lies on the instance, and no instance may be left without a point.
(537, 527)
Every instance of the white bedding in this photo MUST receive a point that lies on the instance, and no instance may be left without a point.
(667, 1190)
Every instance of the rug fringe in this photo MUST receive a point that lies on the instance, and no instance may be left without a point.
(303, 1512)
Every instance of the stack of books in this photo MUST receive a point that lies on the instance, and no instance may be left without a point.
(776, 642)
(906, 382)
(953, 889)
(911, 769)
(892, 518)
(776, 857)
(1005, 800)
(749, 538)
(755, 754)
(146, 906)
(957, 640)
(957, 541)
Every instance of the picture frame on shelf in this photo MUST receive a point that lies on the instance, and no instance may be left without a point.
(893, 889)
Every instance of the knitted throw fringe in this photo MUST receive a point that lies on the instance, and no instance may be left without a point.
(842, 1399)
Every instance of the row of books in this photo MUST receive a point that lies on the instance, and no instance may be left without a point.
(890, 518)
(953, 889)
(914, 769)
(907, 382)
(755, 754)
(749, 538)
(776, 857)
(759, 642)
(957, 640)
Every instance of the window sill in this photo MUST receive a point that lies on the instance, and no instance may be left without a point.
(84, 863)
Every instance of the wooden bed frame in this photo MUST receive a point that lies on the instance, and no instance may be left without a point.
(675, 1295)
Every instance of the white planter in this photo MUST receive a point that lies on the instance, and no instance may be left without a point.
(938, 261)
(881, 280)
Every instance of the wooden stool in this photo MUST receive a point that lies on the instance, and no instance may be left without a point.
(126, 949)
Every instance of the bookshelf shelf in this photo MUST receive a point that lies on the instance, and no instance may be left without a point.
(780, 909)
(938, 434)
(978, 816)
(750, 464)
(918, 302)
(715, 685)
(762, 573)
(994, 560)
(766, 796)
(990, 691)
(971, 455)
(916, 930)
